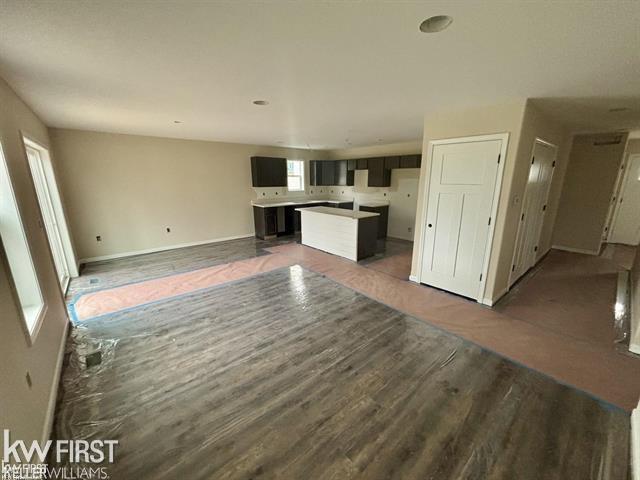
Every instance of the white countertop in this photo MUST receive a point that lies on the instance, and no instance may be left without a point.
(339, 212)
(292, 203)
(374, 204)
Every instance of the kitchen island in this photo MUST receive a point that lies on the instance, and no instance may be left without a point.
(350, 234)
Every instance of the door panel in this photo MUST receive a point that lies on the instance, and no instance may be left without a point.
(527, 251)
(626, 228)
(461, 190)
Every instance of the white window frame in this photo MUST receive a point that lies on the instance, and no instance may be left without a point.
(301, 176)
(25, 283)
(46, 188)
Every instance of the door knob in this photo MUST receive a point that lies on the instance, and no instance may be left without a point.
(429, 225)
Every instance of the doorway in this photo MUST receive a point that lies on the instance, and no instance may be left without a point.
(534, 209)
(52, 214)
(626, 222)
(462, 199)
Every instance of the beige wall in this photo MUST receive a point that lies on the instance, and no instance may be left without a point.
(129, 188)
(24, 410)
(589, 182)
(535, 124)
(463, 123)
(635, 303)
(524, 122)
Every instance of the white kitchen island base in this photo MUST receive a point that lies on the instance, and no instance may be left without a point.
(350, 234)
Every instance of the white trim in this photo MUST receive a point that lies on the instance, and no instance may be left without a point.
(490, 302)
(504, 137)
(537, 258)
(576, 250)
(51, 183)
(414, 278)
(634, 348)
(162, 249)
(53, 393)
(635, 444)
(623, 176)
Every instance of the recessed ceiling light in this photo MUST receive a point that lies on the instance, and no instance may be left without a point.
(618, 109)
(436, 23)
(260, 102)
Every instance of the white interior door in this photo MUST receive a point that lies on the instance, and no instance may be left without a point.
(48, 215)
(461, 191)
(626, 226)
(534, 208)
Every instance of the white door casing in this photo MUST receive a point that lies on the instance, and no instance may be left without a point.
(463, 185)
(534, 209)
(626, 222)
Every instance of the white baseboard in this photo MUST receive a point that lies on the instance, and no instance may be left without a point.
(490, 302)
(53, 394)
(576, 250)
(162, 249)
(635, 444)
(414, 279)
(634, 348)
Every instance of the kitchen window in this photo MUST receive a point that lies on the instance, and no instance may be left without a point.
(295, 175)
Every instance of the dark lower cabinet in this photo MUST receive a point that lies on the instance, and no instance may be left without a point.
(265, 221)
(346, 205)
(383, 219)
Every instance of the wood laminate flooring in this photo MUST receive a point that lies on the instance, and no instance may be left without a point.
(121, 271)
(291, 375)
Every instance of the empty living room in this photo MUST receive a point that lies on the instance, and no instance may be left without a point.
(319, 240)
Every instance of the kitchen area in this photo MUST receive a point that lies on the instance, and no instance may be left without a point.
(357, 208)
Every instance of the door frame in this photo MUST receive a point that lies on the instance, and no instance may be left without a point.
(624, 177)
(546, 201)
(504, 137)
(56, 200)
(612, 212)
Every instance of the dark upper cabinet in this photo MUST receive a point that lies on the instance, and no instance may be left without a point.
(352, 165)
(410, 161)
(328, 173)
(268, 172)
(392, 162)
(361, 163)
(315, 173)
(379, 175)
(340, 172)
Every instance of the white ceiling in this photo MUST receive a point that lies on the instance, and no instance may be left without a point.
(336, 74)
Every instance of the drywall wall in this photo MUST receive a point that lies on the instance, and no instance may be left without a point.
(535, 124)
(26, 410)
(129, 189)
(589, 181)
(482, 120)
(634, 344)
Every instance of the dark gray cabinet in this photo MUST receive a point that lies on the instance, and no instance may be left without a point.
(379, 175)
(361, 163)
(392, 162)
(352, 165)
(268, 172)
(410, 161)
(383, 218)
(265, 221)
(324, 173)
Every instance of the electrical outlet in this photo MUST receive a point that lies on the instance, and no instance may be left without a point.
(98, 238)
(29, 382)
(409, 229)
